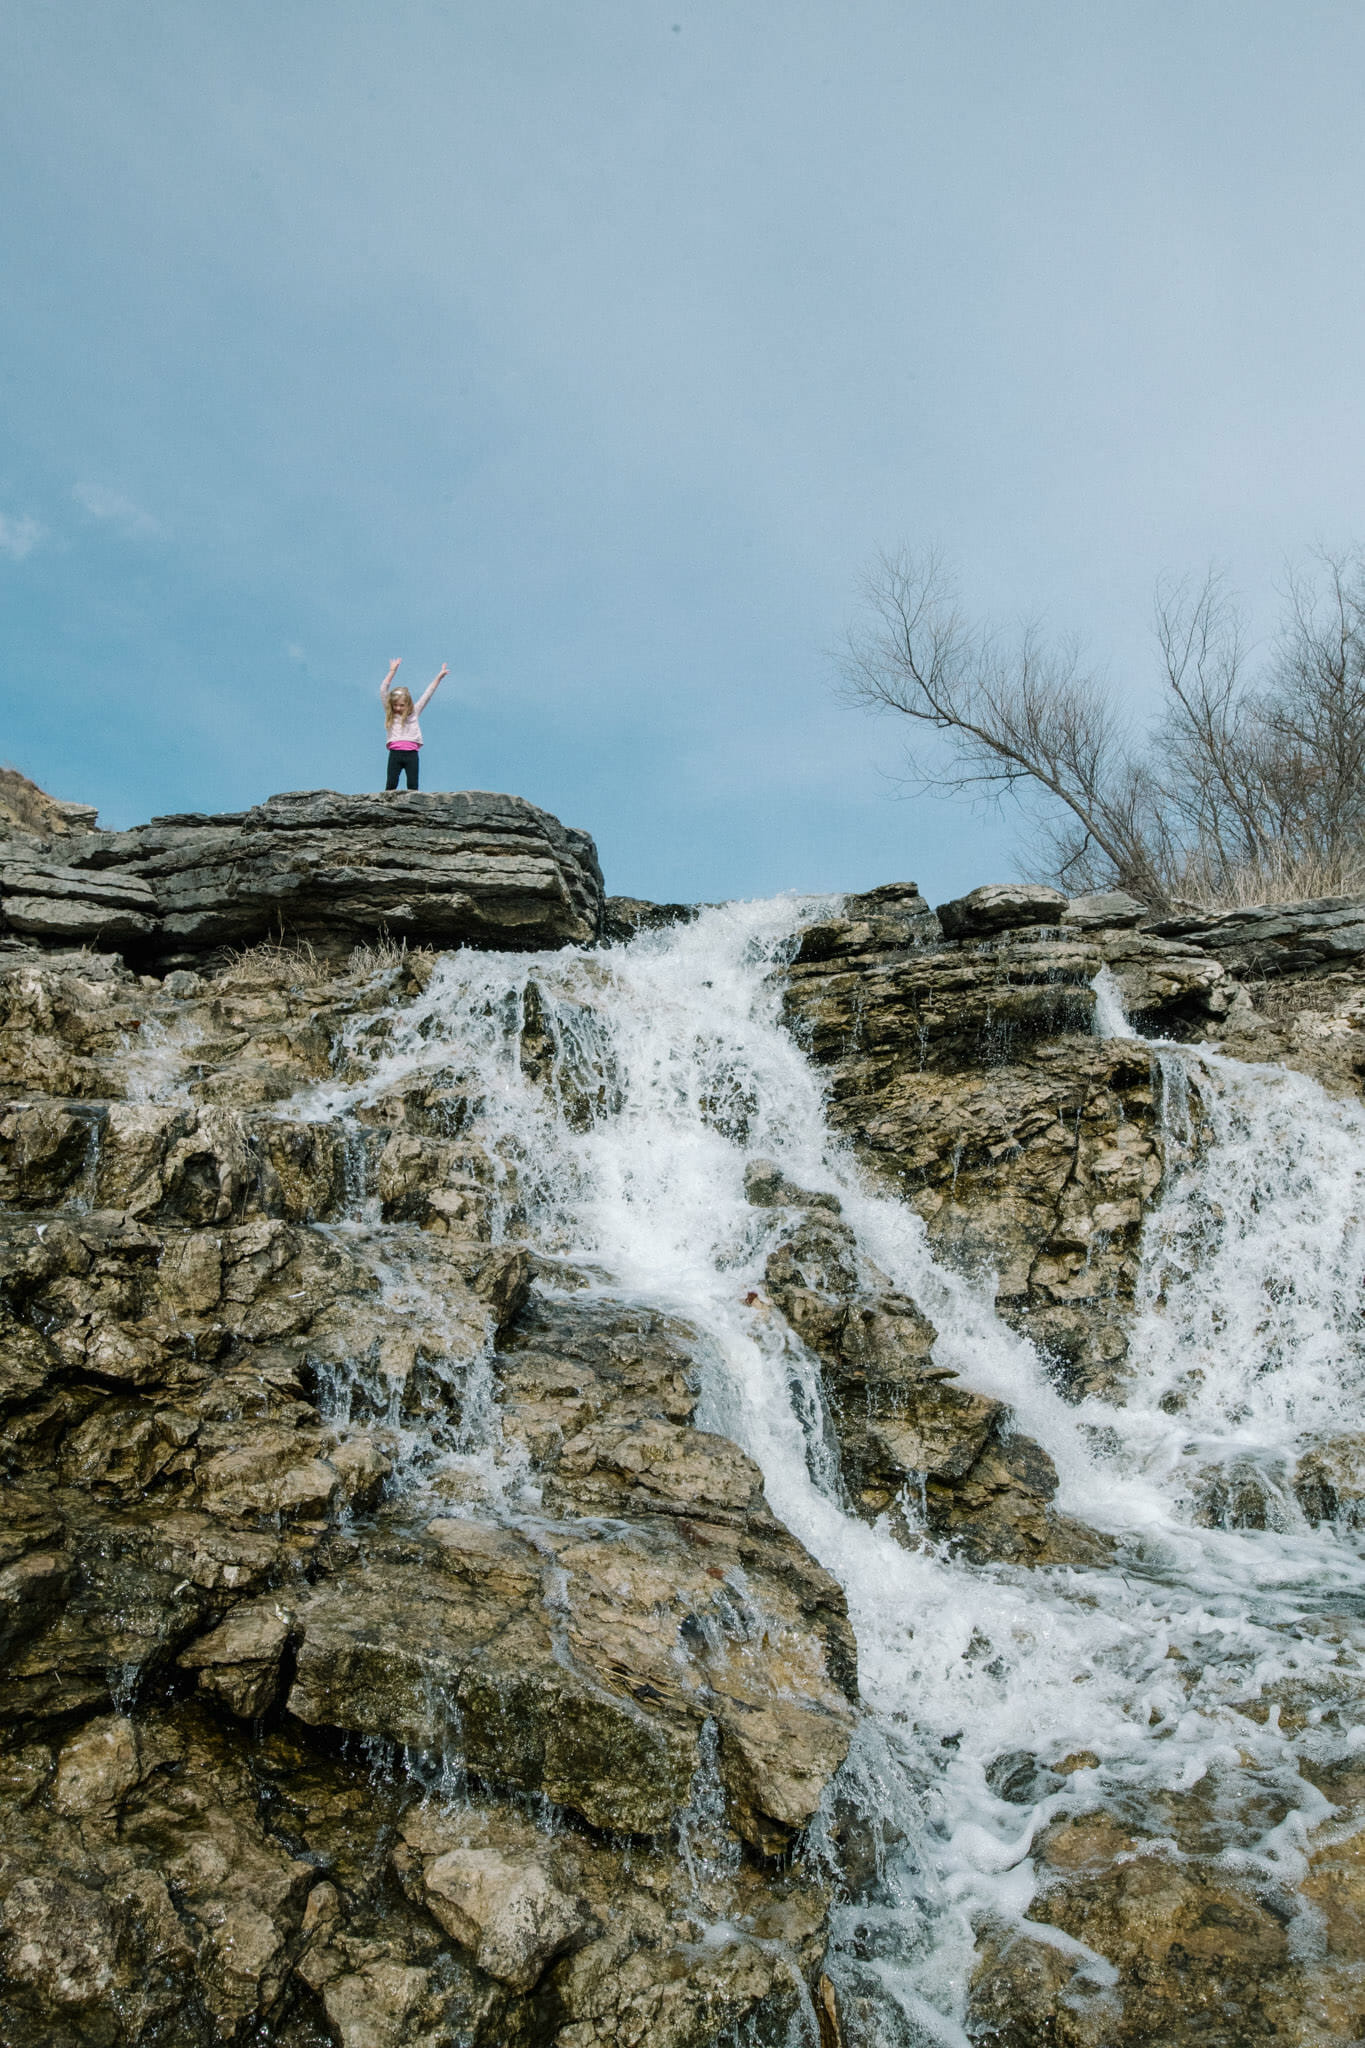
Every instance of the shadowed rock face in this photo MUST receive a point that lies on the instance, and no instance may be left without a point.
(469, 868)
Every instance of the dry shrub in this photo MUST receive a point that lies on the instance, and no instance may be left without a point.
(274, 963)
(376, 956)
(1289, 878)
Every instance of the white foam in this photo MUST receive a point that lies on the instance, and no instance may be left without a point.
(670, 1070)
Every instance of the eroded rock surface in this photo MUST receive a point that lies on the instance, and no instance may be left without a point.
(468, 868)
(969, 1078)
(390, 1652)
(371, 1673)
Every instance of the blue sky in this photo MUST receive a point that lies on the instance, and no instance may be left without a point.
(595, 348)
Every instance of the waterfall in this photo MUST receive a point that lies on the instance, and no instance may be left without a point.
(660, 1070)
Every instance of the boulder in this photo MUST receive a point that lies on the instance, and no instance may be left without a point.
(1112, 910)
(623, 917)
(505, 1908)
(1000, 907)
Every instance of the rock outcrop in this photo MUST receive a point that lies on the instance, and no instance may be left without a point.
(317, 1722)
(999, 907)
(468, 868)
(30, 813)
(392, 1651)
(1277, 938)
(966, 1075)
(905, 1427)
(968, 1078)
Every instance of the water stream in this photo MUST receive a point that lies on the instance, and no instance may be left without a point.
(662, 1069)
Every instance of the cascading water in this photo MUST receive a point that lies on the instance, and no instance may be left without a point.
(625, 1091)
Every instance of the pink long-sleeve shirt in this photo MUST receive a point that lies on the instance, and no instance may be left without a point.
(405, 733)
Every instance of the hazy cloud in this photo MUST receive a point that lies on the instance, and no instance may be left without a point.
(601, 358)
(113, 509)
(20, 536)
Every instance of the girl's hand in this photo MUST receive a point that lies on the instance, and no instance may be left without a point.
(395, 664)
(445, 671)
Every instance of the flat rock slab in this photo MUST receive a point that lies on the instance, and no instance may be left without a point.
(1277, 938)
(435, 868)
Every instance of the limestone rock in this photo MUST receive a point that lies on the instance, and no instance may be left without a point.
(1279, 938)
(968, 1080)
(238, 1663)
(469, 868)
(1110, 910)
(625, 916)
(1000, 907)
(914, 1443)
(505, 1909)
(1329, 1479)
(27, 812)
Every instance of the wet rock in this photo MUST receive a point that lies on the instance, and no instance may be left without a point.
(1242, 1493)
(139, 1891)
(936, 1456)
(968, 1082)
(1313, 1024)
(1329, 1479)
(442, 1186)
(238, 1664)
(44, 1148)
(892, 919)
(504, 1909)
(624, 916)
(586, 1675)
(95, 1769)
(768, 1187)
(1019, 1777)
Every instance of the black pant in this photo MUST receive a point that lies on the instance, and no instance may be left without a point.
(402, 761)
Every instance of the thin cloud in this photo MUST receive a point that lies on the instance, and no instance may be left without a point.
(113, 509)
(19, 537)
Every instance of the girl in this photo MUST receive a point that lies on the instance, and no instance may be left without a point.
(400, 721)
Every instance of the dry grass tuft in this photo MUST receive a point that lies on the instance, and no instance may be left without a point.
(382, 955)
(275, 963)
(25, 806)
(1288, 879)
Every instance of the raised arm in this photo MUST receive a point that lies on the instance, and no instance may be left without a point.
(394, 667)
(432, 688)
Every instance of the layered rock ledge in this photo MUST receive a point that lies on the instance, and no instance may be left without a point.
(469, 868)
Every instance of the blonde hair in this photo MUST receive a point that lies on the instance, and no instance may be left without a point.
(391, 708)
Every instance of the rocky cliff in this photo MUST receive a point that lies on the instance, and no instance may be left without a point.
(512, 1536)
(439, 869)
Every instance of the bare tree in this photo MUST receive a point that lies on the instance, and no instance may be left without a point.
(1020, 716)
(1236, 789)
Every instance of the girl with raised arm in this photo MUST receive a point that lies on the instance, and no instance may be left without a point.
(400, 721)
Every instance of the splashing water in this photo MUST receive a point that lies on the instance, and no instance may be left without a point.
(626, 1090)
